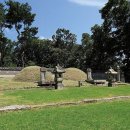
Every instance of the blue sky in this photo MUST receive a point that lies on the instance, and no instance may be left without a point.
(76, 15)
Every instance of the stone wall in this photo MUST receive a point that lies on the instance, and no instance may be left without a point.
(99, 76)
(10, 70)
(103, 76)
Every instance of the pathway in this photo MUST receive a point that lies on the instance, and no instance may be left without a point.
(84, 101)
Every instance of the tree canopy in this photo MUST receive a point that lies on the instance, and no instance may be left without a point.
(108, 45)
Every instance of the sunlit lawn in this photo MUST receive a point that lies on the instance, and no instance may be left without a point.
(42, 96)
(101, 116)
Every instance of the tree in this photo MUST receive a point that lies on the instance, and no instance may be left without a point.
(6, 47)
(20, 17)
(103, 54)
(5, 44)
(63, 42)
(2, 27)
(2, 19)
(86, 51)
(42, 52)
(27, 37)
(64, 39)
(116, 15)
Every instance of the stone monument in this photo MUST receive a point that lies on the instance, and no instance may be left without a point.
(43, 75)
(89, 74)
(111, 76)
(58, 71)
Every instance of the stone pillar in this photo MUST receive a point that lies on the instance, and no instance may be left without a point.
(118, 74)
(43, 75)
(89, 74)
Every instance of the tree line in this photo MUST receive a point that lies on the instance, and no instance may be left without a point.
(108, 45)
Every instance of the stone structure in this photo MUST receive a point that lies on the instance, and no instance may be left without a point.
(58, 71)
(58, 77)
(10, 71)
(122, 77)
(111, 76)
(89, 74)
(43, 75)
(118, 74)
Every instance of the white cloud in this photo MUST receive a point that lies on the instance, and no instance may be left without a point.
(95, 3)
(42, 38)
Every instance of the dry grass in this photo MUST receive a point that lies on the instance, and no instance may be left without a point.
(75, 74)
(29, 74)
(32, 74)
(9, 83)
(49, 76)
(70, 83)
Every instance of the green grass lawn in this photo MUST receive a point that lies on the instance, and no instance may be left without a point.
(100, 116)
(42, 96)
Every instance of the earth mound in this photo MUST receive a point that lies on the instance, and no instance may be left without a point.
(74, 74)
(32, 74)
(28, 74)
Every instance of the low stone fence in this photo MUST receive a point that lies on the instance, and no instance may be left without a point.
(10, 70)
(99, 76)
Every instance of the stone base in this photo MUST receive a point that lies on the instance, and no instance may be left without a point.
(110, 84)
(59, 86)
(46, 84)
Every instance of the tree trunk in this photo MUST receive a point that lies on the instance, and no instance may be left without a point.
(23, 62)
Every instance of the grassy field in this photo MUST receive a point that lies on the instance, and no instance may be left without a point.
(8, 83)
(42, 96)
(101, 116)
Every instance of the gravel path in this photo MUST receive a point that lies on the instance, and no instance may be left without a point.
(15, 107)
(84, 101)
